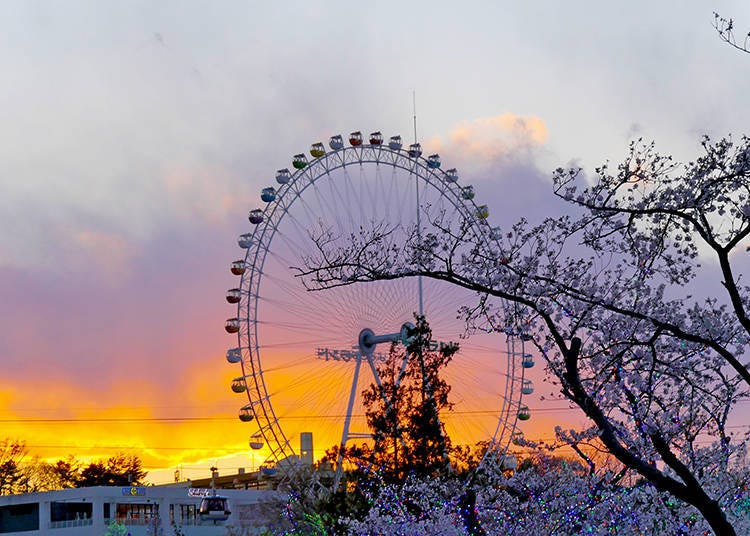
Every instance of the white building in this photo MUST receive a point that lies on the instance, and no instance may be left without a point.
(142, 510)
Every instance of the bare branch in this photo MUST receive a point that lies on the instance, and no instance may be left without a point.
(725, 28)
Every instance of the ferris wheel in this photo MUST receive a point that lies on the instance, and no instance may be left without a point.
(306, 356)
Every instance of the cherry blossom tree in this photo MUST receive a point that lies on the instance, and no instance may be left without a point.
(634, 297)
(725, 28)
(551, 496)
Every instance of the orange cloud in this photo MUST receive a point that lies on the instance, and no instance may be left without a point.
(490, 138)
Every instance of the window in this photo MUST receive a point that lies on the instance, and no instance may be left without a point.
(183, 514)
(137, 513)
(19, 517)
(69, 511)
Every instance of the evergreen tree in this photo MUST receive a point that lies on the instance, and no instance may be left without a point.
(403, 411)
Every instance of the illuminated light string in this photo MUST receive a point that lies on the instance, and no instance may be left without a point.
(394, 505)
(565, 310)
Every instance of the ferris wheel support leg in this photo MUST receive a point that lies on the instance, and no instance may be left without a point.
(347, 422)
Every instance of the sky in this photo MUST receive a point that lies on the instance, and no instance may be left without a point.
(135, 136)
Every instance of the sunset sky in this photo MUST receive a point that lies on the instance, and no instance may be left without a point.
(136, 135)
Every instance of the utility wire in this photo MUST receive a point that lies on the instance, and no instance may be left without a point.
(53, 420)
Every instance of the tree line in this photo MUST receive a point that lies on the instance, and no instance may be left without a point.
(21, 474)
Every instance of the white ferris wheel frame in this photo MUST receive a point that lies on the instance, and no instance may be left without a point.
(261, 239)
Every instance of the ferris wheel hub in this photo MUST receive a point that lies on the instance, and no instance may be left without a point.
(368, 340)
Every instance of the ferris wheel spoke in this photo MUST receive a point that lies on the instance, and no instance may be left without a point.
(342, 188)
(293, 306)
(340, 200)
(324, 201)
(298, 240)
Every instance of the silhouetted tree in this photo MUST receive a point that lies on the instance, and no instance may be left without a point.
(403, 411)
(66, 472)
(40, 475)
(19, 475)
(118, 470)
(12, 474)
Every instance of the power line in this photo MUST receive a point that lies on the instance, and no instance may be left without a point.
(225, 418)
(51, 420)
(117, 419)
(138, 447)
(240, 447)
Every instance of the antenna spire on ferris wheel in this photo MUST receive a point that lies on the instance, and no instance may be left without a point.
(420, 291)
(414, 107)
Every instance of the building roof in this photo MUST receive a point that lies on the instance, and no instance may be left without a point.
(251, 480)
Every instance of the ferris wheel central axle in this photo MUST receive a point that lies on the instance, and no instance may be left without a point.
(368, 340)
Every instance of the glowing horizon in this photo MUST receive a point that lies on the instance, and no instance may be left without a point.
(166, 443)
